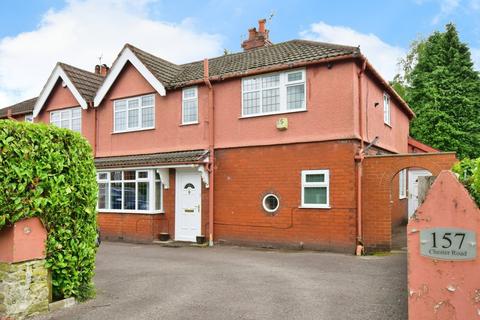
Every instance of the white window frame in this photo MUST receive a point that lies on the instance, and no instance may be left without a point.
(139, 108)
(387, 110)
(402, 184)
(195, 98)
(29, 118)
(151, 191)
(70, 119)
(284, 83)
(325, 184)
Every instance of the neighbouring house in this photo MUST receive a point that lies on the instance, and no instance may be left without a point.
(22, 111)
(264, 146)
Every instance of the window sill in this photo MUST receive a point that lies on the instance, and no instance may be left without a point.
(189, 124)
(129, 211)
(136, 130)
(272, 114)
(303, 207)
(388, 125)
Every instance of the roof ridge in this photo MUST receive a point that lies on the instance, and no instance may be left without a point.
(326, 44)
(134, 48)
(63, 64)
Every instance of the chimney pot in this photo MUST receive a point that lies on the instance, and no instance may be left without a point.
(101, 69)
(257, 39)
(261, 25)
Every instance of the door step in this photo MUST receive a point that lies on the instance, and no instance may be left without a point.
(179, 244)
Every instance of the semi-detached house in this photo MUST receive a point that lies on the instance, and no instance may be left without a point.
(263, 146)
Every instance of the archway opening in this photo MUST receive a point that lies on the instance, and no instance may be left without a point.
(404, 202)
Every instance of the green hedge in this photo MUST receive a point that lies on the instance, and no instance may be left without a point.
(469, 174)
(49, 172)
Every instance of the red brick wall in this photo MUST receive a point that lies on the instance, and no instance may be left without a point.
(244, 175)
(399, 206)
(378, 172)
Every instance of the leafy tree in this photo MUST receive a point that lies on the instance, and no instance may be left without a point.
(441, 85)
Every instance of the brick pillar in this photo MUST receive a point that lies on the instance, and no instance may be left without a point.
(24, 289)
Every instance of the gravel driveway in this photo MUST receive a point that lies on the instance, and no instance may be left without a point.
(154, 282)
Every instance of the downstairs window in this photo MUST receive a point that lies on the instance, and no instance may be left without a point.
(129, 191)
(315, 189)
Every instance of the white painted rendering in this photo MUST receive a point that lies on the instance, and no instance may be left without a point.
(188, 205)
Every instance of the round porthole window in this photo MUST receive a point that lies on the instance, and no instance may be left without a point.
(271, 203)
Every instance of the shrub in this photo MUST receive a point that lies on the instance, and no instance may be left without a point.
(469, 174)
(48, 172)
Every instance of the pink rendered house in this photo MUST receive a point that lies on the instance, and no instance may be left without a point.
(260, 146)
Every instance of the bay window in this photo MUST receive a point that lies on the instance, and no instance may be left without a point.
(134, 114)
(129, 191)
(274, 93)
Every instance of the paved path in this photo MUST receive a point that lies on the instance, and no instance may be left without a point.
(154, 282)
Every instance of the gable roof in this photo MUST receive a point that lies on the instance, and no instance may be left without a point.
(86, 82)
(82, 84)
(24, 107)
(155, 70)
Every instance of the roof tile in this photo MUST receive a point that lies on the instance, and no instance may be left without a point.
(87, 83)
(23, 107)
(151, 159)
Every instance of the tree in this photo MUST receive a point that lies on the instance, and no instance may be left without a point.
(443, 89)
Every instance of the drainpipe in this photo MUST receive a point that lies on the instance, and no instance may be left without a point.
(211, 150)
(359, 156)
(94, 147)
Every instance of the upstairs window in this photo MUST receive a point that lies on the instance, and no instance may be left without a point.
(315, 189)
(386, 109)
(190, 105)
(67, 118)
(134, 114)
(29, 117)
(273, 93)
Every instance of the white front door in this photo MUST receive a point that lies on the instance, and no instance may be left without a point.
(188, 206)
(413, 175)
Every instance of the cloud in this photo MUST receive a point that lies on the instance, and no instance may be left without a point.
(447, 7)
(382, 55)
(475, 4)
(82, 31)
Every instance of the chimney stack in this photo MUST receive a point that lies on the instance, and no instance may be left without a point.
(257, 39)
(101, 69)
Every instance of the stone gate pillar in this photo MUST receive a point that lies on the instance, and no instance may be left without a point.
(443, 254)
(24, 289)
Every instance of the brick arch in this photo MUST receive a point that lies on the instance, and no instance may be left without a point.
(377, 176)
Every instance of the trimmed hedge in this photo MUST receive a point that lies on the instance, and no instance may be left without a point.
(469, 174)
(48, 172)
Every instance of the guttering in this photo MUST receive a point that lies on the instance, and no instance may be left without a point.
(266, 69)
(359, 156)
(211, 150)
(356, 55)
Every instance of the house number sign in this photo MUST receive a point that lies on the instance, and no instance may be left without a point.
(448, 244)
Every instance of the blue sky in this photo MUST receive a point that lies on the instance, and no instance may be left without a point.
(36, 34)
